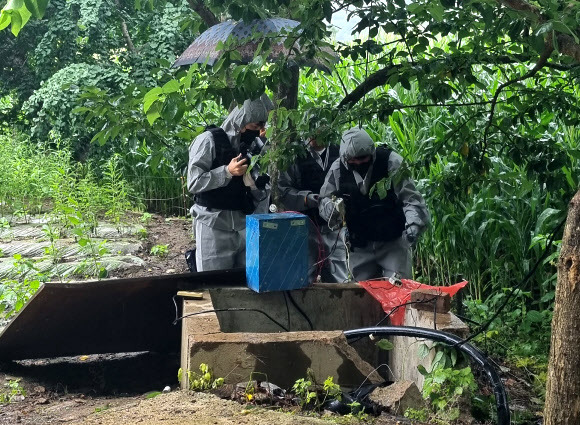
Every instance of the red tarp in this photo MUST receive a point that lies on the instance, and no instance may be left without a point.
(394, 297)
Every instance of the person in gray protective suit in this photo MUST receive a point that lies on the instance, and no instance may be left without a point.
(224, 193)
(299, 191)
(381, 232)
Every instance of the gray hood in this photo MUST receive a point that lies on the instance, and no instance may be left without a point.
(356, 142)
(250, 111)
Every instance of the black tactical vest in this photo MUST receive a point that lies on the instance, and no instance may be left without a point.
(371, 218)
(234, 196)
(312, 177)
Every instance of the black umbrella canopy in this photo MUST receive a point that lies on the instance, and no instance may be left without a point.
(203, 49)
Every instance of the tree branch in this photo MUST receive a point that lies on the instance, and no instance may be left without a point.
(566, 43)
(204, 12)
(124, 28)
(373, 81)
(548, 49)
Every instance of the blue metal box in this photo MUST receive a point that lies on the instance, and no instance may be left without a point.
(276, 251)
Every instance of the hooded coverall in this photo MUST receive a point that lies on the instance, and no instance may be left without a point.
(293, 194)
(220, 235)
(376, 258)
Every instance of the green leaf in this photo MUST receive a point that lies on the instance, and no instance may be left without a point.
(423, 351)
(151, 96)
(385, 344)
(235, 56)
(453, 357)
(153, 113)
(36, 7)
(436, 10)
(152, 394)
(404, 82)
(169, 87)
(16, 22)
(422, 370)
(534, 316)
(438, 361)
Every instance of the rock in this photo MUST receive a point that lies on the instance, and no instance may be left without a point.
(42, 401)
(170, 271)
(167, 389)
(39, 389)
(398, 397)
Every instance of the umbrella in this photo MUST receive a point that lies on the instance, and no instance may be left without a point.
(203, 49)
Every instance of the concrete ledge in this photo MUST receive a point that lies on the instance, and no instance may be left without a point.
(280, 358)
(328, 306)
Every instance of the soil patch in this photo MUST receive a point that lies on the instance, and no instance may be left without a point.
(174, 232)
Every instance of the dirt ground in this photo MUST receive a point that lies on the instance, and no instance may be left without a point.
(53, 402)
(174, 232)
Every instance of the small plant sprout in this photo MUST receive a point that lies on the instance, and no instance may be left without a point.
(142, 233)
(146, 218)
(160, 250)
(201, 381)
(11, 389)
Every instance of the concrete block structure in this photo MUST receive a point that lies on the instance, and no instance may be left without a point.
(237, 342)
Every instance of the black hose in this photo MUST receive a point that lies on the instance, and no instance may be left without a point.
(503, 412)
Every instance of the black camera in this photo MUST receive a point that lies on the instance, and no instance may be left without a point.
(254, 148)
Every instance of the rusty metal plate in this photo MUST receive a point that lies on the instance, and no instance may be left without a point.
(107, 316)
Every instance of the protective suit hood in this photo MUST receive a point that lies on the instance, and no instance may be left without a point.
(356, 142)
(250, 111)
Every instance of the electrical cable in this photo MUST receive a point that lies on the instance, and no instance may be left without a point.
(435, 315)
(515, 288)
(287, 309)
(217, 310)
(394, 309)
(300, 310)
(503, 413)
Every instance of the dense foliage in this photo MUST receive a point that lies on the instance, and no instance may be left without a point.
(480, 97)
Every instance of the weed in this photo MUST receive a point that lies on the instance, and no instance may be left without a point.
(4, 223)
(445, 384)
(11, 389)
(102, 408)
(15, 292)
(160, 250)
(142, 233)
(116, 191)
(357, 411)
(311, 395)
(201, 381)
(146, 218)
(302, 388)
(417, 414)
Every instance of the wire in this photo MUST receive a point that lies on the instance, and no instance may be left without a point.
(300, 310)
(435, 315)
(515, 288)
(394, 309)
(287, 309)
(217, 310)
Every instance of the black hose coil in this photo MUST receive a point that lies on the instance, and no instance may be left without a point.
(503, 412)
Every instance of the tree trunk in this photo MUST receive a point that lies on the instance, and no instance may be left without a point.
(288, 93)
(563, 385)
